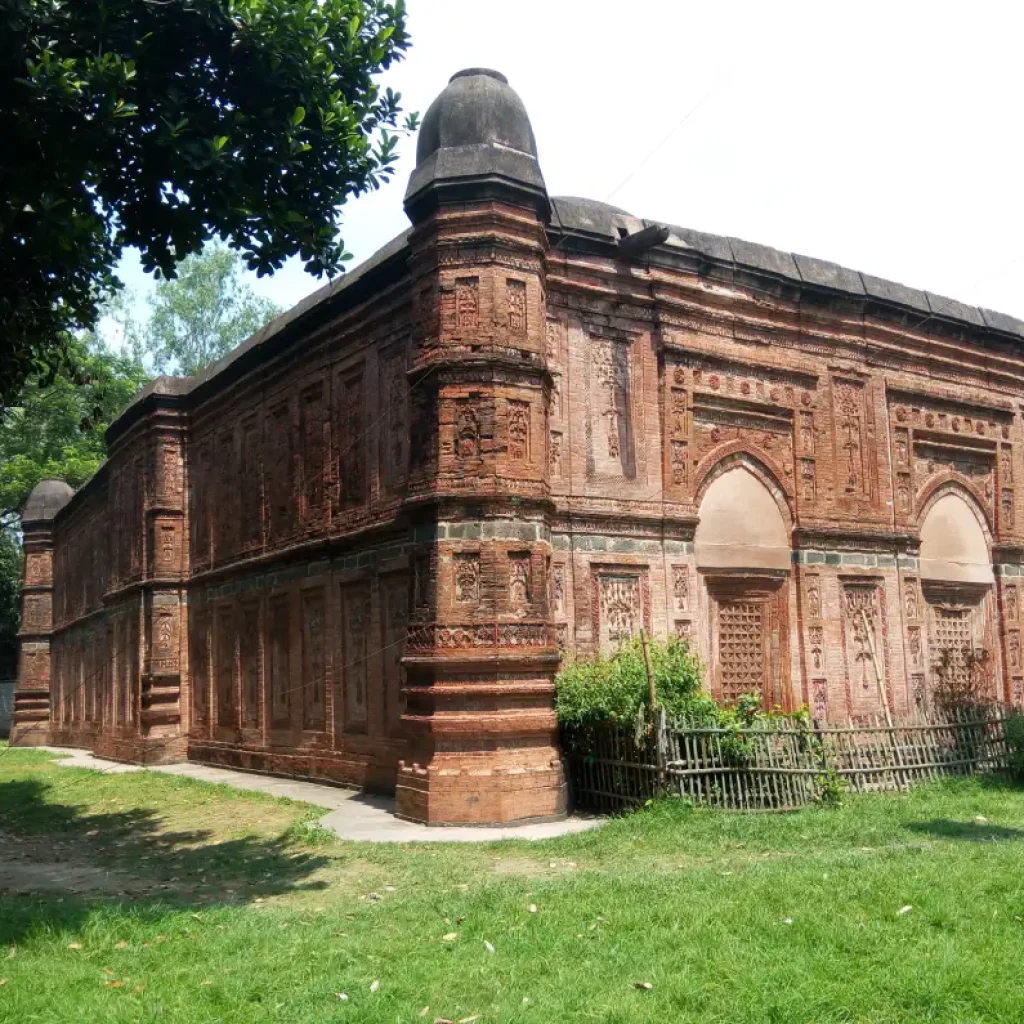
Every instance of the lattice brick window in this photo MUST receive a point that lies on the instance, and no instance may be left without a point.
(741, 667)
(953, 634)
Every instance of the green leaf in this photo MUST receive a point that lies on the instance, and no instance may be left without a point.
(299, 116)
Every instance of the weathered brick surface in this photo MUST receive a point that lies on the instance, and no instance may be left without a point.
(356, 551)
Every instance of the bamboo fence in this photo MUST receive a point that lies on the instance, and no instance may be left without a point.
(775, 764)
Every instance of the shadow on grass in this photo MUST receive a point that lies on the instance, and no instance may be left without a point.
(70, 859)
(972, 831)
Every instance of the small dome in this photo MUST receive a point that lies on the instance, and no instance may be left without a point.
(477, 129)
(48, 497)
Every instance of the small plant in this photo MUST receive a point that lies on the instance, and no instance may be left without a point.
(830, 789)
(1013, 731)
(594, 691)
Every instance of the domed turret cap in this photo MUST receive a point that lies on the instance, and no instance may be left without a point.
(477, 131)
(47, 498)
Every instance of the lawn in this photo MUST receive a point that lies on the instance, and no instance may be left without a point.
(141, 897)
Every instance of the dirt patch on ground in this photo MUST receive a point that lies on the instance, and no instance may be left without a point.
(35, 865)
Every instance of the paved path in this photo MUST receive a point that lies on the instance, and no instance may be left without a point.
(351, 814)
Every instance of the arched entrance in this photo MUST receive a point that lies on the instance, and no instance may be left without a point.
(743, 555)
(957, 582)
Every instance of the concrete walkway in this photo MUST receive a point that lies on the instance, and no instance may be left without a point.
(351, 814)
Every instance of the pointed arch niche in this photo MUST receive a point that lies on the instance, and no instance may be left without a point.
(957, 583)
(743, 556)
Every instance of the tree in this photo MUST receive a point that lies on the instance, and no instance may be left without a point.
(202, 313)
(56, 430)
(163, 124)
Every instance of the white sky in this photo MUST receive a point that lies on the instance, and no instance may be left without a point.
(883, 136)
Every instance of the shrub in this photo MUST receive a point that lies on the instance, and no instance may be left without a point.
(602, 689)
(1013, 730)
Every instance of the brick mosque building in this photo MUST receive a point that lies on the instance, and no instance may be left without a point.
(357, 546)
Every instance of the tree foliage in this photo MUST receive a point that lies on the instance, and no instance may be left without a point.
(162, 124)
(56, 430)
(203, 313)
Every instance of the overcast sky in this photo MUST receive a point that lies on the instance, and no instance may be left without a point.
(883, 136)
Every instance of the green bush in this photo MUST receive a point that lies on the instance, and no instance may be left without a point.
(602, 689)
(1013, 730)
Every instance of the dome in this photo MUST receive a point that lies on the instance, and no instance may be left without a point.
(476, 131)
(48, 497)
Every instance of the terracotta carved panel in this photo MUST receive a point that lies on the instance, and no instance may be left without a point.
(349, 418)
(467, 577)
(516, 292)
(226, 660)
(394, 436)
(394, 624)
(164, 658)
(199, 649)
(621, 605)
(520, 581)
(249, 666)
(519, 431)
(355, 610)
(850, 436)
(252, 483)
(314, 683)
(314, 463)
(610, 442)
(279, 672)
(281, 475)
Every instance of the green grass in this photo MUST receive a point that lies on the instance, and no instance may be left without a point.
(211, 905)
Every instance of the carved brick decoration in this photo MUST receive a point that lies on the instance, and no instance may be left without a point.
(1010, 597)
(394, 432)
(952, 638)
(681, 587)
(311, 427)
(519, 431)
(815, 640)
(1013, 647)
(520, 581)
(911, 604)
(609, 425)
(252, 483)
(249, 666)
(863, 619)
(225, 518)
(467, 428)
(280, 490)
(314, 683)
(812, 589)
(226, 654)
(465, 307)
(819, 697)
(467, 578)
(164, 660)
(555, 453)
(741, 648)
(558, 589)
(621, 607)
(355, 608)
(349, 417)
(914, 646)
(199, 662)
(848, 403)
(806, 420)
(394, 624)
(516, 306)
(279, 671)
